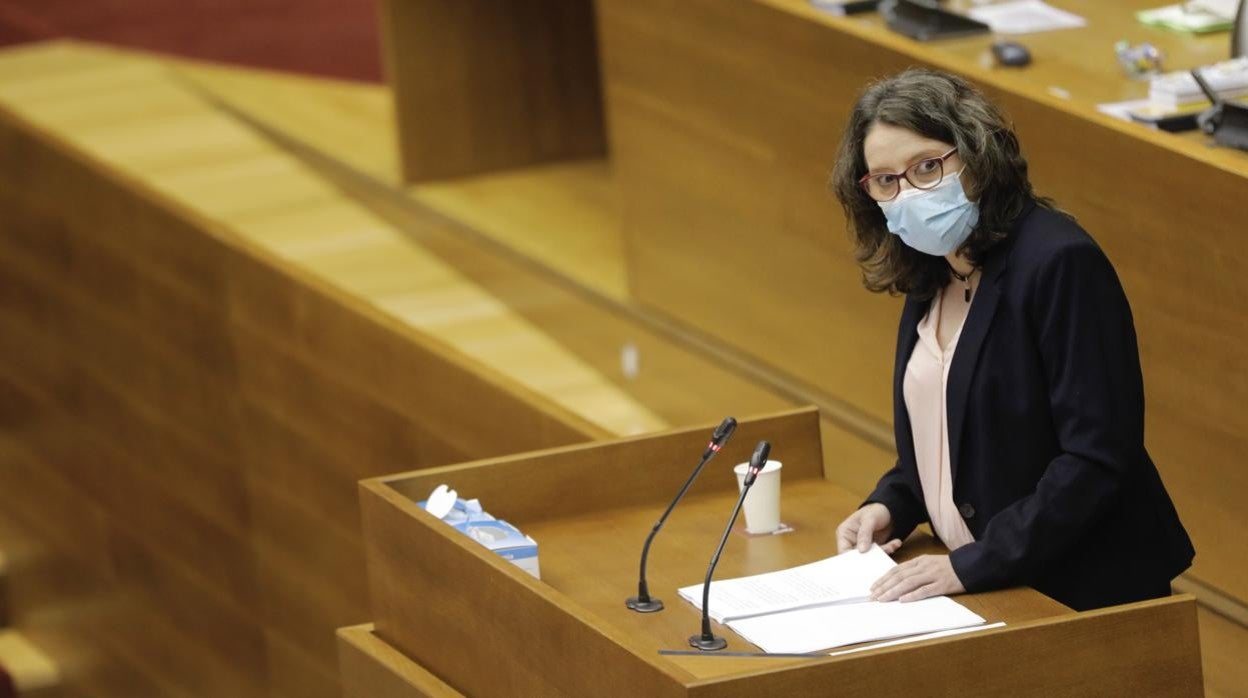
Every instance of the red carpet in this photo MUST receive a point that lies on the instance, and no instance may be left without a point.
(335, 38)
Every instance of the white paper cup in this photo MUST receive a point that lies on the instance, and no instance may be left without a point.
(762, 504)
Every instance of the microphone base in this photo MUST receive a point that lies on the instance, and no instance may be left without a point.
(648, 606)
(707, 644)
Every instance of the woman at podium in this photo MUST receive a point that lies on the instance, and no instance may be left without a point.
(1018, 400)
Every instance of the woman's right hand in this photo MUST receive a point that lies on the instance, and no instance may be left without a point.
(871, 524)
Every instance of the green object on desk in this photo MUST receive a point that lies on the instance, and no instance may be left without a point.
(1181, 18)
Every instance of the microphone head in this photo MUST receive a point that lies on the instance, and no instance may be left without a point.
(723, 432)
(761, 452)
(758, 461)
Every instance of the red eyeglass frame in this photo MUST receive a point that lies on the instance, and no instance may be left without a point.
(862, 181)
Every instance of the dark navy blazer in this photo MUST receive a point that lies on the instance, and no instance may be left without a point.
(1045, 404)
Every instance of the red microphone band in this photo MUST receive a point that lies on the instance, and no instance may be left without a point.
(713, 446)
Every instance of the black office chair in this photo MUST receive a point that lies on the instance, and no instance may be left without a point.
(924, 20)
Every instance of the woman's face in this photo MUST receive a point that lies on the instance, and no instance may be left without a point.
(891, 149)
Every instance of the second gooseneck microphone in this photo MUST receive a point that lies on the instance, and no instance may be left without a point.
(643, 602)
(707, 640)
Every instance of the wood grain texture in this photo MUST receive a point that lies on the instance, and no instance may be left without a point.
(183, 292)
(373, 669)
(481, 86)
(570, 633)
(1223, 646)
(29, 668)
(190, 405)
(556, 232)
(662, 462)
(483, 618)
(1111, 652)
(930, 668)
(4, 590)
(352, 121)
(597, 576)
(730, 149)
(565, 215)
(235, 339)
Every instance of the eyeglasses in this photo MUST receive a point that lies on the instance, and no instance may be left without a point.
(924, 174)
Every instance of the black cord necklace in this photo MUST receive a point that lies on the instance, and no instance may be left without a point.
(964, 279)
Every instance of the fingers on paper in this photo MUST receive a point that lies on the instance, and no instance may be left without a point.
(889, 579)
(847, 534)
(866, 534)
(926, 591)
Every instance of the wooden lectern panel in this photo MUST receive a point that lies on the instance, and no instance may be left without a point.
(1099, 666)
(482, 85)
(452, 607)
(372, 669)
(562, 482)
(1111, 652)
(485, 617)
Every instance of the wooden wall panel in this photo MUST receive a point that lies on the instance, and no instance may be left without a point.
(288, 558)
(333, 335)
(481, 85)
(199, 478)
(76, 597)
(299, 673)
(705, 247)
(786, 268)
(218, 649)
(196, 415)
(241, 389)
(186, 569)
(284, 462)
(852, 460)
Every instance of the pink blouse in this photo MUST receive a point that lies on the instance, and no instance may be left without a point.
(927, 376)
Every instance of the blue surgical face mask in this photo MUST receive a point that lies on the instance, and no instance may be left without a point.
(935, 221)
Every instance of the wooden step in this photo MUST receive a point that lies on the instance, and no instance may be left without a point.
(4, 591)
(31, 669)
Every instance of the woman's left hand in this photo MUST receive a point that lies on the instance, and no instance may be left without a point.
(920, 578)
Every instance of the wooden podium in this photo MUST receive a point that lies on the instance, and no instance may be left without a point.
(452, 618)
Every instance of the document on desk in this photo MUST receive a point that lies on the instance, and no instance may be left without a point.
(814, 629)
(1025, 17)
(845, 578)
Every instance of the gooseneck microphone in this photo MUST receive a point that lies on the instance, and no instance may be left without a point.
(642, 602)
(707, 641)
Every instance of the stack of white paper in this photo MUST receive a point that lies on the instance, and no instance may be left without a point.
(918, 638)
(812, 629)
(1229, 79)
(1026, 17)
(823, 605)
(846, 578)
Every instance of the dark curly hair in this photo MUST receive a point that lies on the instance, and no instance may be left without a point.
(946, 108)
